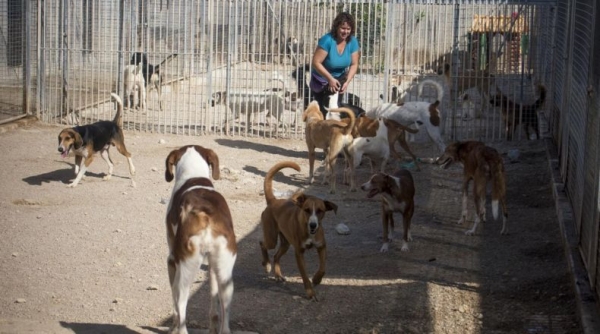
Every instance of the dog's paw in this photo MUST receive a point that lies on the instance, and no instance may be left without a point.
(404, 247)
(72, 185)
(469, 232)
(107, 177)
(279, 278)
(384, 248)
(267, 267)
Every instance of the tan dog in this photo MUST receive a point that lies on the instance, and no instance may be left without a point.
(397, 195)
(87, 140)
(199, 227)
(481, 164)
(298, 222)
(329, 135)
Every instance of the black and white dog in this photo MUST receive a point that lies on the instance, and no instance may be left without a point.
(151, 73)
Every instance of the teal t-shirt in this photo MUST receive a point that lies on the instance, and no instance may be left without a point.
(337, 63)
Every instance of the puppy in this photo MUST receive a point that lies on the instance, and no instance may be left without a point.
(134, 83)
(397, 195)
(151, 73)
(330, 135)
(296, 221)
(199, 226)
(511, 112)
(482, 164)
(87, 140)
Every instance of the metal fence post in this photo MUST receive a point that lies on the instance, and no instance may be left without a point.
(65, 57)
(26, 57)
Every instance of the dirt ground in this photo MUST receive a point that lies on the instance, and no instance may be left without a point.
(94, 257)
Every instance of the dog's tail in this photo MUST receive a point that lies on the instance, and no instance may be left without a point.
(498, 186)
(268, 186)
(438, 87)
(343, 110)
(157, 67)
(540, 101)
(119, 115)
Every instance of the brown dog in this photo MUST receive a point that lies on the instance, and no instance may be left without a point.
(481, 164)
(329, 135)
(512, 116)
(87, 140)
(397, 195)
(296, 221)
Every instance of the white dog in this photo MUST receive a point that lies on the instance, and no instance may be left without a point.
(134, 83)
(416, 112)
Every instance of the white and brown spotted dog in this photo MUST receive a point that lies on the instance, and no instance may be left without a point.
(199, 227)
(87, 140)
(397, 195)
(482, 164)
(296, 221)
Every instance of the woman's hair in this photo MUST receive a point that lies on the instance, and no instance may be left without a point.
(341, 18)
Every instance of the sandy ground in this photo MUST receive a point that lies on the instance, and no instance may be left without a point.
(93, 259)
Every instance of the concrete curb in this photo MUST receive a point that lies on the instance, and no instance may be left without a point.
(27, 120)
(589, 312)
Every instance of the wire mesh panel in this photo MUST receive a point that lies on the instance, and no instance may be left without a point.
(12, 51)
(242, 67)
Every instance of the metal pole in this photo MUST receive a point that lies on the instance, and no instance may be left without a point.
(26, 58)
(120, 88)
(65, 56)
(41, 72)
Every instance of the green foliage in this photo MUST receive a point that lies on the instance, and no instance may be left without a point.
(370, 23)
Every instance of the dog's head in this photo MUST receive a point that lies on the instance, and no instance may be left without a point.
(498, 99)
(377, 184)
(218, 98)
(313, 209)
(138, 58)
(191, 161)
(450, 155)
(313, 112)
(67, 139)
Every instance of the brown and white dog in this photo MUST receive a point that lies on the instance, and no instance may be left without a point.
(296, 221)
(368, 127)
(330, 135)
(415, 112)
(87, 140)
(199, 227)
(481, 164)
(397, 195)
(514, 113)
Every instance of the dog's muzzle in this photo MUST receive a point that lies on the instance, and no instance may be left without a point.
(312, 227)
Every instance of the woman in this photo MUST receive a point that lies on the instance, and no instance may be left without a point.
(335, 60)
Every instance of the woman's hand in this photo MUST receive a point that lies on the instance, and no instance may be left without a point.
(344, 87)
(334, 85)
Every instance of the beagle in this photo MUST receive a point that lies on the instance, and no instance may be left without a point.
(87, 140)
(199, 227)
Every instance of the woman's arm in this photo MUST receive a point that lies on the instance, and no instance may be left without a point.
(352, 70)
(317, 63)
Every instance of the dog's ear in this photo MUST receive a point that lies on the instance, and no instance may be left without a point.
(299, 198)
(78, 140)
(212, 159)
(330, 206)
(170, 163)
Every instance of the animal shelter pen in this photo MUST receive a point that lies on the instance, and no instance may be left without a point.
(61, 59)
